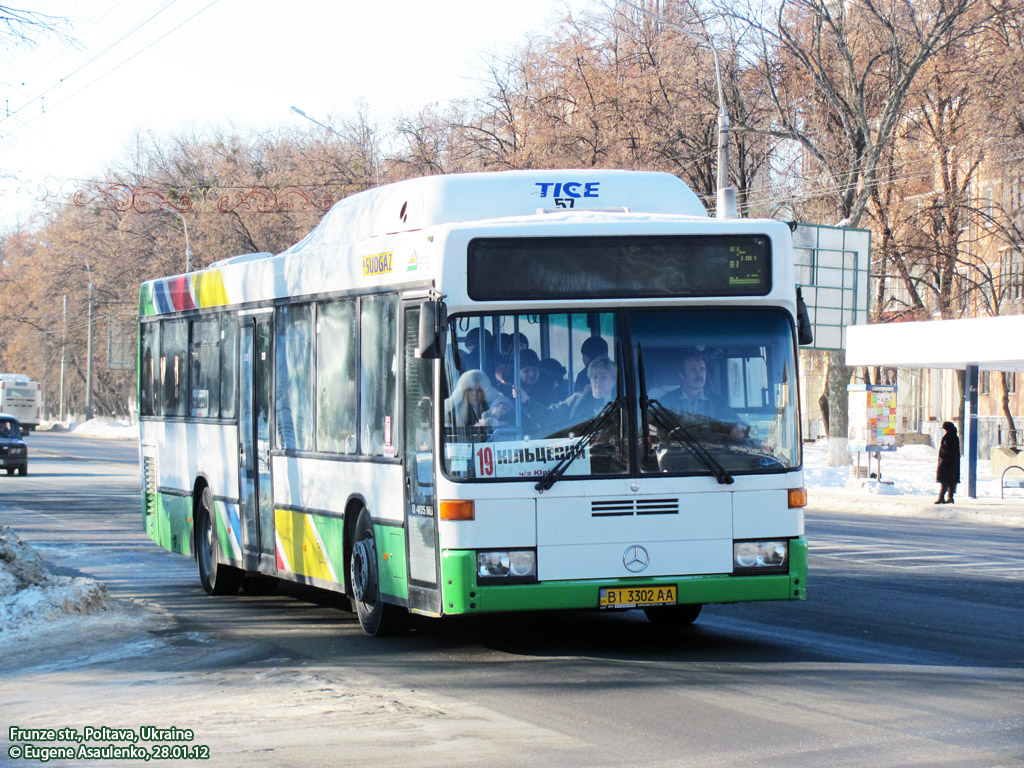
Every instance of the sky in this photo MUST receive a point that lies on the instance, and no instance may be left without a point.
(69, 111)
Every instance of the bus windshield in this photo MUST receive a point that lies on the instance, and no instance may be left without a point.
(671, 392)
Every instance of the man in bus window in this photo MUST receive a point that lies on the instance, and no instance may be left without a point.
(692, 402)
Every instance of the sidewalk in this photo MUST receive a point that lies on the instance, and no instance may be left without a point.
(1008, 511)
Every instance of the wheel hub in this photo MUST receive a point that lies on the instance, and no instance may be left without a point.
(362, 557)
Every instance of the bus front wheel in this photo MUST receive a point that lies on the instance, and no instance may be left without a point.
(217, 578)
(376, 617)
(673, 615)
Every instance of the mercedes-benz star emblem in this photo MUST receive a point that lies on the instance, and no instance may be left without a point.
(636, 558)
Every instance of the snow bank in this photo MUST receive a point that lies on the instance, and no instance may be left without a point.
(30, 595)
(100, 427)
(911, 470)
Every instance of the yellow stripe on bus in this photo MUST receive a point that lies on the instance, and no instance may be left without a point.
(301, 544)
(209, 289)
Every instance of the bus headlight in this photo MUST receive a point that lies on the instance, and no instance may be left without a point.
(506, 566)
(760, 556)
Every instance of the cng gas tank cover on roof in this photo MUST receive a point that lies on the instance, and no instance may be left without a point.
(432, 200)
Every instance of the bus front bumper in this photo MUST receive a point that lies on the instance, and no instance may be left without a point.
(462, 594)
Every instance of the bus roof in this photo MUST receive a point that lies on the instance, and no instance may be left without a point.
(433, 200)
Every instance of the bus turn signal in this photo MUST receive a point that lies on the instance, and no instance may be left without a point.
(457, 509)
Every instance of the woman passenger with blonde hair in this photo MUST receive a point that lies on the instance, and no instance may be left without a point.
(468, 403)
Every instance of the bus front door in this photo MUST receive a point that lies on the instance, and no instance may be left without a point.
(420, 502)
(254, 496)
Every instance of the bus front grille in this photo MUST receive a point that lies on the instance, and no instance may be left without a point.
(628, 507)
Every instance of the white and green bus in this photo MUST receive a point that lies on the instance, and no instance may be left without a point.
(509, 391)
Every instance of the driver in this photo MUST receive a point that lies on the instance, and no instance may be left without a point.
(691, 401)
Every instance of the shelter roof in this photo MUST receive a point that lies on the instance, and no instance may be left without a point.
(991, 343)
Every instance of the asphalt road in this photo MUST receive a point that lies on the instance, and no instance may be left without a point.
(908, 651)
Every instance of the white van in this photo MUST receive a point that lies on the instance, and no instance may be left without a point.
(22, 398)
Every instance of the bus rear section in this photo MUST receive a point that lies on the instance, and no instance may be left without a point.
(22, 398)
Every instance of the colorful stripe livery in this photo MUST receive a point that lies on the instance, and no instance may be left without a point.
(308, 545)
(198, 290)
(229, 531)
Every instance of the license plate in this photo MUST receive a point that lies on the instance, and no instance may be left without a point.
(637, 597)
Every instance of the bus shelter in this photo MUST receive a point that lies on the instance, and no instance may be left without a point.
(971, 345)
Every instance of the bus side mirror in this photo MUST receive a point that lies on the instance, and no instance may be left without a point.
(433, 322)
(804, 332)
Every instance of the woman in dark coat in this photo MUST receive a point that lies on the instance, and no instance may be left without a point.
(948, 472)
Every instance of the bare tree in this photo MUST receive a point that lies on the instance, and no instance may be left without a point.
(838, 75)
(22, 27)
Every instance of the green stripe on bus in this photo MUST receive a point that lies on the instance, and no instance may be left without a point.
(462, 594)
(170, 524)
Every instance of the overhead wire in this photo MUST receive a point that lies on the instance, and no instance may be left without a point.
(56, 56)
(117, 66)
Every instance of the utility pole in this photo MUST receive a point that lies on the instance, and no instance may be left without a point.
(92, 313)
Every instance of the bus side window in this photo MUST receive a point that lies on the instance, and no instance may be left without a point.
(294, 380)
(204, 371)
(228, 366)
(336, 377)
(149, 377)
(378, 374)
(173, 344)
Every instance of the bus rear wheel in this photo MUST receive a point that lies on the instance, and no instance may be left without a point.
(673, 615)
(377, 618)
(217, 578)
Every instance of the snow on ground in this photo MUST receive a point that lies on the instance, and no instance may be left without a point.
(38, 607)
(99, 427)
(911, 469)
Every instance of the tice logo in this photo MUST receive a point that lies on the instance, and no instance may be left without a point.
(565, 194)
(636, 558)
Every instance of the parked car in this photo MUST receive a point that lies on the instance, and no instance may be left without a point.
(13, 451)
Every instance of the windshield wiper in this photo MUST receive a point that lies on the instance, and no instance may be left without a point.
(675, 428)
(596, 425)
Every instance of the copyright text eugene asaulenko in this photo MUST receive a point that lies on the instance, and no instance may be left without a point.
(101, 742)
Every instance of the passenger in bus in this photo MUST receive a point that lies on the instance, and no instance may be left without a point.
(602, 374)
(693, 403)
(591, 349)
(504, 378)
(533, 386)
(556, 374)
(500, 414)
(505, 341)
(468, 403)
(480, 351)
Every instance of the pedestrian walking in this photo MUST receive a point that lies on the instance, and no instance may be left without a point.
(948, 472)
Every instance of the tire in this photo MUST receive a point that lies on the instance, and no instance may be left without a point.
(217, 578)
(377, 618)
(22, 470)
(10, 470)
(670, 616)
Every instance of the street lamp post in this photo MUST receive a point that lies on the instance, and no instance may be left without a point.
(188, 246)
(88, 353)
(373, 155)
(725, 207)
